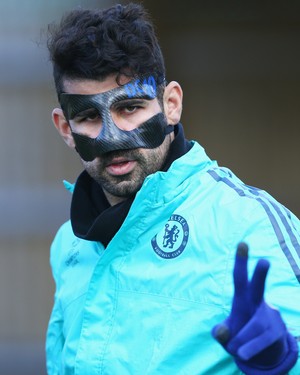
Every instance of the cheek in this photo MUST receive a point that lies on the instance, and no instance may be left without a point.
(154, 159)
(90, 129)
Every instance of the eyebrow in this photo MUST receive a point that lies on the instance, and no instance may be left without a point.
(86, 112)
(129, 102)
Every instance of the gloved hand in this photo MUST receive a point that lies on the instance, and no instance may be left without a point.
(254, 333)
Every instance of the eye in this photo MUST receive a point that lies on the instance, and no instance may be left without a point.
(88, 115)
(128, 107)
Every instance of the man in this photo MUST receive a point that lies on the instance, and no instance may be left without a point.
(143, 270)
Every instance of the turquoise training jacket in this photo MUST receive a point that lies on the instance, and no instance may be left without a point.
(147, 303)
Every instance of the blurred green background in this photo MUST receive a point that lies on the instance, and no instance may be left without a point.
(239, 65)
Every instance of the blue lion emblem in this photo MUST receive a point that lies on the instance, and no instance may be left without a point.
(170, 236)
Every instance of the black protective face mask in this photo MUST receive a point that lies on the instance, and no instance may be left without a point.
(149, 134)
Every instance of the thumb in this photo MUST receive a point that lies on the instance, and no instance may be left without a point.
(221, 333)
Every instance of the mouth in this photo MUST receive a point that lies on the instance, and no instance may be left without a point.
(120, 166)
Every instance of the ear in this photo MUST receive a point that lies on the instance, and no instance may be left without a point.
(63, 126)
(173, 102)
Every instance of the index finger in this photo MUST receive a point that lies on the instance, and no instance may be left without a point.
(257, 284)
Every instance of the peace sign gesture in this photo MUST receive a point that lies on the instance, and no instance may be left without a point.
(254, 333)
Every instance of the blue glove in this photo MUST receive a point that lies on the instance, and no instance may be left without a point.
(254, 333)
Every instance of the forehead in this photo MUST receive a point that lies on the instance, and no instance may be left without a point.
(91, 86)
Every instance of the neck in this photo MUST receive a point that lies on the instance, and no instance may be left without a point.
(112, 199)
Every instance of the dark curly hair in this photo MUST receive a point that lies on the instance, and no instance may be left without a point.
(92, 44)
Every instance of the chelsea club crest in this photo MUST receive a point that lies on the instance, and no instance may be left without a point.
(171, 241)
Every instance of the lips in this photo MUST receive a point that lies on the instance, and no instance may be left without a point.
(120, 166)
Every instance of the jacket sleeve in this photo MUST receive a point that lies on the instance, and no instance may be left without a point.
(54, 340)
(55, 336)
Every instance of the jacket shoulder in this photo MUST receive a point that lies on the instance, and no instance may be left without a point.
(62, 242)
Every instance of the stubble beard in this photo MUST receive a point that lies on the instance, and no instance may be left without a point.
(148, 161)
